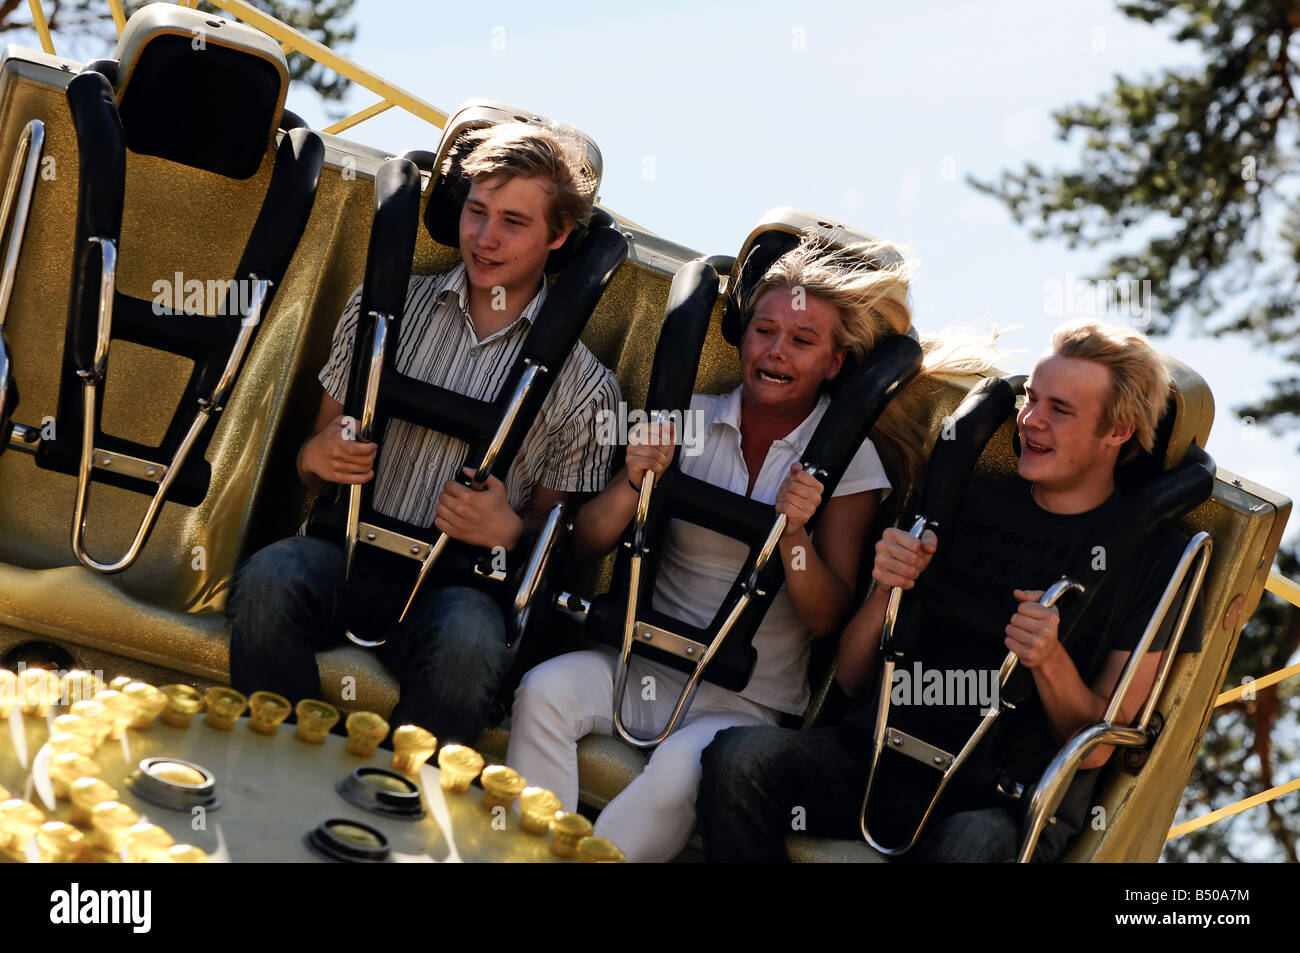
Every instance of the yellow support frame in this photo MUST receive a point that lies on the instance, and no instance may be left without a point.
(358, 117)
(119, 17)
(1205, 820)
(42, 27)
(1285, 589)
(288, 36)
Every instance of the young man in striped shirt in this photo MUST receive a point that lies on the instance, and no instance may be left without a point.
(462, 330)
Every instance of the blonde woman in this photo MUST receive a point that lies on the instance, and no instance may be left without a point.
(804, 317)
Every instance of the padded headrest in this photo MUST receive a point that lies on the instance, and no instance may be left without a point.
(1186, 420)
(447, 195)
(776, 233)
(198, 89)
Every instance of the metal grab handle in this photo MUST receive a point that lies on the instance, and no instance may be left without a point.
(629, 617)
(90, 379)
(482, 471)
(538, 562)
(896, 594)
(1048, 599)
(1060, 772)
(918, 528)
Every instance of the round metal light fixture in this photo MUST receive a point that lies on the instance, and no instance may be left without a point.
(348, 842)
(383, 792)
(174, 784)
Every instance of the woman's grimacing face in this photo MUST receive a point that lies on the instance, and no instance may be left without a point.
(788, 350)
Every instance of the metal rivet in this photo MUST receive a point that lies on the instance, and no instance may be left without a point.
(690, 650)
(370, 535)
(150, 472)
(897, 739)
(106, 461)
(415, 550)
(938, 759)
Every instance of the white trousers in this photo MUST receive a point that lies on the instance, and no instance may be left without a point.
(566, 698)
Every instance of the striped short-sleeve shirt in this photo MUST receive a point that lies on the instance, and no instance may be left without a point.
(439, 346)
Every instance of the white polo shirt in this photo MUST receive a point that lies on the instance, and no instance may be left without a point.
(699, 566)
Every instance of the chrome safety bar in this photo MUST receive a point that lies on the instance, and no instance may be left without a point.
(24, 438)
(372, 534)
(538, 563)
(16, 206)
(672, 642)
(370, 401)
(937, 758)
(1060, 772)
(427, 553)
(164, 474)
(4, 388)
(526, 383)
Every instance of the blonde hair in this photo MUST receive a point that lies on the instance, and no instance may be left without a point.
(517, 149)
(1139, 382)
(868, 284)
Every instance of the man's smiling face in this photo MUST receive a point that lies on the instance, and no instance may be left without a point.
(1063, 446)
(504, 238)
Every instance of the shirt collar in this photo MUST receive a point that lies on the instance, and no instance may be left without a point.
(729, 416)
(456, 283)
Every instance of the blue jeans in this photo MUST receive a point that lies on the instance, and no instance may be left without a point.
(288, 602)
(761, 784)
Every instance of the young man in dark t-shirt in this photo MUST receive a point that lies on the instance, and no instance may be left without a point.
(1091, 401)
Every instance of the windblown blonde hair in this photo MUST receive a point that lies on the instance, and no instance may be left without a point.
(1139, 382)
(868, 285)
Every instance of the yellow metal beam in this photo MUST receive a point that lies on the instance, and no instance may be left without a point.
(1283, 588)
(347, 123)
(1205, 820)
(326, 57)
(119, 18)
(42, 28)
(1233, 694)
